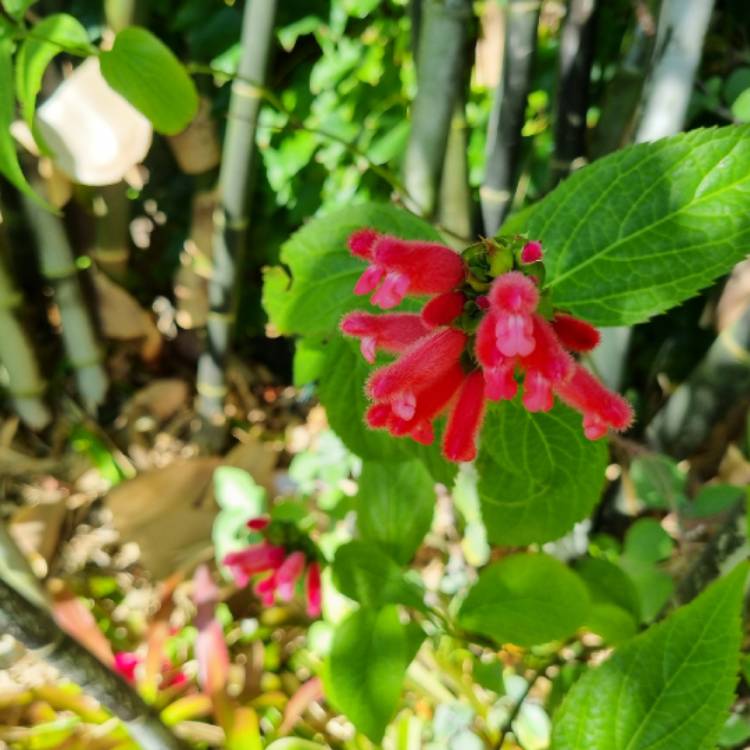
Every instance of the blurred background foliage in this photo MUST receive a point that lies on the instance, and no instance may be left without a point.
(113, 507)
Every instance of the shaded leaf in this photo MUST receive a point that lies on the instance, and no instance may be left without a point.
(365, 573)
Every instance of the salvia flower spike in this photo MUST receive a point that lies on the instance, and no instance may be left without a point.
(487, 331)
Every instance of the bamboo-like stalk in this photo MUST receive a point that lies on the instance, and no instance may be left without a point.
(455, 195)
(616, 124)
(111, 249)
(441, 65)
(35, 628)
(576, 57)
(680, 33)
(57, 265)
(508, 110)
(25, 384)
(720, 380)
(231, 217)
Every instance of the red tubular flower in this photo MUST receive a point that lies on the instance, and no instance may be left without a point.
(601, 408)
(465, 419)
(258, 524)
(443, 309)
(394, 332)
(313, 590)
(252, 560)
(400, 267)
(575, 335)
(430, 403)
(288, 574)
(420, 366)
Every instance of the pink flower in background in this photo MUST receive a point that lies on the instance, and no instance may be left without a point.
(126, 663)
(482, 335)
(211, 650)
(284, 568)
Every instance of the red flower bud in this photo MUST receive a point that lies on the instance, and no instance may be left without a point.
(443, 309)
(575, 335)
(531, 252)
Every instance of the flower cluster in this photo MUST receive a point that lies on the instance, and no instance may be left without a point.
(488, 329)
(285, 556)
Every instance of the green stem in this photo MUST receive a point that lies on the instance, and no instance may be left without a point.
(441, 65)
(231, 218)
(508, 111)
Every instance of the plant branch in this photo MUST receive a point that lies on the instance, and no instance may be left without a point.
(35, 628)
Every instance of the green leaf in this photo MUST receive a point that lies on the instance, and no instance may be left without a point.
(9, 166)
(646, 541)
(309, 359)
(643, 229)
(538, 474)
(659, 481)
(395, 505)
(365, 670)
(614, 624)
(240, 499)
(609, 584)
(323, 271)
(526, 599)
(51, 36)
(363, 572)
(342, 392)
(741, 106)
(235, 489)
(17, 8)
(714, 499)
(146, 72)
(670, 687)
